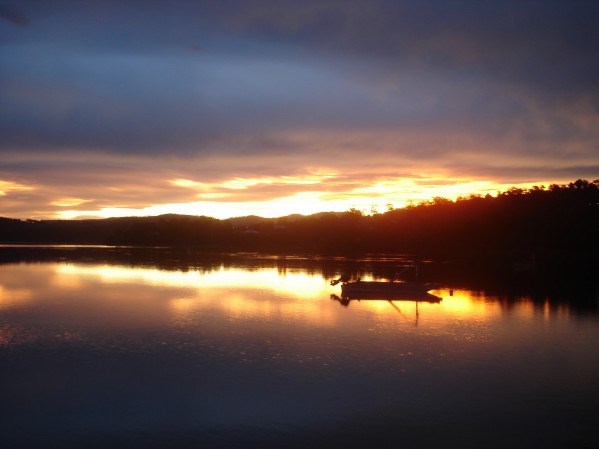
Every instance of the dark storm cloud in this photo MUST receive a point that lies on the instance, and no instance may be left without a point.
(505, 39)
(120, 76)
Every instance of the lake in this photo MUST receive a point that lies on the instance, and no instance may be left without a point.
(121, 348)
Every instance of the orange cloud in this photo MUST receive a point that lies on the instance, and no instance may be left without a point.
(69, 202)
(8, 186)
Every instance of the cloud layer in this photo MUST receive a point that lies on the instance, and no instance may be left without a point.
(107, 97)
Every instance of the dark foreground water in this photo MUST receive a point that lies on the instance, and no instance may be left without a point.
(256, 354)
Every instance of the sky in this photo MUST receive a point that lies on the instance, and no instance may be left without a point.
(272, 107)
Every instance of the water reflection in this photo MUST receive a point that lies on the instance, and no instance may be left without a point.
(133, 294)
(294, 283)
(254, 353)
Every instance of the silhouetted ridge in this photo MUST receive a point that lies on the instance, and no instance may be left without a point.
(541, 224)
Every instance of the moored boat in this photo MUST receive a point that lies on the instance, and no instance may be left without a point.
(418, 291)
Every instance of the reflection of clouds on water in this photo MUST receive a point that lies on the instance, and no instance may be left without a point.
(13, 297)
(124, 297)
(119, 274)
(292, 283)
(239, 294)
(468, 317)
(241, 305)
(94, 296)
(123, 349)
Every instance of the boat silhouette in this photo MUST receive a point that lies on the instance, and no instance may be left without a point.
(415, 291)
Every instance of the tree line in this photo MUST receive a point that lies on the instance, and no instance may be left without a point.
(559, 221)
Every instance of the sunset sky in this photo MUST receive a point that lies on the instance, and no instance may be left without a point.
(271, 107)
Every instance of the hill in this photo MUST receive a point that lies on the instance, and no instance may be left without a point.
(554, 223)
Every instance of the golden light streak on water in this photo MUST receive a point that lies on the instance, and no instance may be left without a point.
(292, 283)
(11, 297)
(466, 303)
(225, 290)
(242, 307)
(115, 274)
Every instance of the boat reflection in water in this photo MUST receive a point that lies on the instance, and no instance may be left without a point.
(386, 291)
(398, 288)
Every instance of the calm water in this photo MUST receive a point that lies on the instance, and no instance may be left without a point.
(256, 354)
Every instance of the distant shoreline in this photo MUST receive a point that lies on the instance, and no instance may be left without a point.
(536, 226)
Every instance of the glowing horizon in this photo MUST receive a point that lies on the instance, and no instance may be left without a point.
(298, 109)
(367, 197)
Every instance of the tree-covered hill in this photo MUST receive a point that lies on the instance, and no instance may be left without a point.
(558, 221)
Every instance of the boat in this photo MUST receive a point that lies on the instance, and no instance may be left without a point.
(414, 291)
(396, 289)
